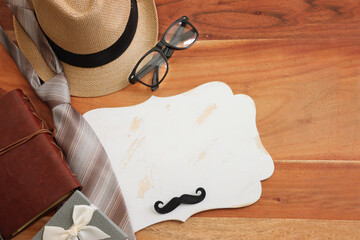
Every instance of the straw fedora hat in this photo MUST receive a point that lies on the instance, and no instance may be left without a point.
(98, 42)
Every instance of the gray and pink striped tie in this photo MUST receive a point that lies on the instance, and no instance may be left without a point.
(83, 150)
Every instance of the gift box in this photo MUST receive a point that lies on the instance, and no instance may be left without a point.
(77, 219)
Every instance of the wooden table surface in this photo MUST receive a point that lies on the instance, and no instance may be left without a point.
(300, 62)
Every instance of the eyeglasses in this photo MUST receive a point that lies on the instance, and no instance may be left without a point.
(152, 68)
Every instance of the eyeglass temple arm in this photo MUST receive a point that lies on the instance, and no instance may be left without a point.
(187, 35)
(155, 80)
(177, 35)
(156, 61)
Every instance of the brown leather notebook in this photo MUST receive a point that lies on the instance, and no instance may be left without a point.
(34, 177)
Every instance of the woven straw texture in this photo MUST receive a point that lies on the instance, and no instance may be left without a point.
(85, 27)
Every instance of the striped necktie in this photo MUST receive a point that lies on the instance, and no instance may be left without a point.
(83, 150)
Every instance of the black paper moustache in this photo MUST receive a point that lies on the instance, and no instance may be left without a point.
(176, 201)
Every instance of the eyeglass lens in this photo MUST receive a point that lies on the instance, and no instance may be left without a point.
(152, 69)
(180, 35)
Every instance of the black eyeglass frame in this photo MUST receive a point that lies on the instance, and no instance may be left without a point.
(166, 53)
(183, 19)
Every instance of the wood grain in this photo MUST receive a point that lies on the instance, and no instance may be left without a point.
(306, 92)
(237, 228)
(240, 228)
(315, 190)
(300, 62)
(265, 19)
(256, 19)
(309, 190)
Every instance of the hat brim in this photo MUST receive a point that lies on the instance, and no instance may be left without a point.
(106, 79)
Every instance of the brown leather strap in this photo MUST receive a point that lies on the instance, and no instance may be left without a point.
(44, 129)
(36, 112)
(23, 140)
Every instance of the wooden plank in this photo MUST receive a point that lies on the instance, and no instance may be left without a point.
(314, 190)
(265, 19)
(306, 92)
(239, 228)
(304, 81)
(306, 190)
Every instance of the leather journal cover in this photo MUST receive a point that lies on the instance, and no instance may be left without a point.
(34, 177)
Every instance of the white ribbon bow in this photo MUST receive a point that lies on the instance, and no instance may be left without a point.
(81, 216)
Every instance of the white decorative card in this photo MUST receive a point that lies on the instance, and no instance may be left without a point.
(167, 147)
